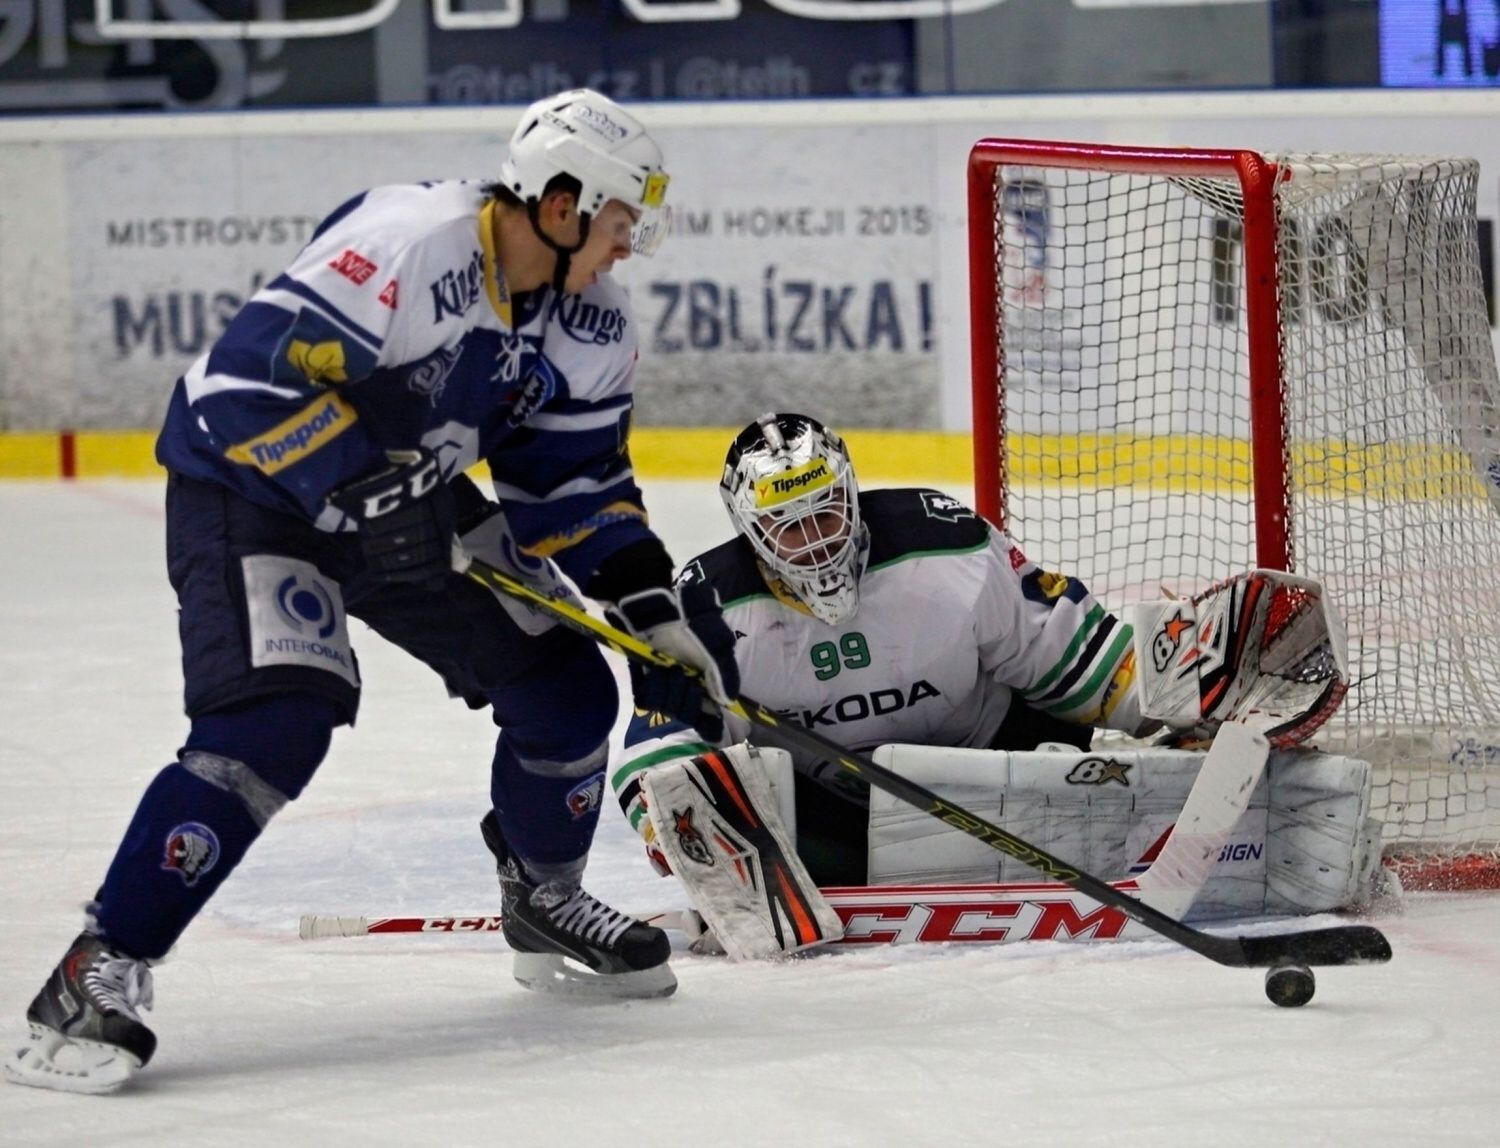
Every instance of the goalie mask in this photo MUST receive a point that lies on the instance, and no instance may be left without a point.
(594, 140)
(790, 489)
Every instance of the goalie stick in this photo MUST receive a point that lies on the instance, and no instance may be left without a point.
(1339, 945)
(1219, 797)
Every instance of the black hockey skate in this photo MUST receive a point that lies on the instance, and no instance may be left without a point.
(86, 1035)
(566, 941)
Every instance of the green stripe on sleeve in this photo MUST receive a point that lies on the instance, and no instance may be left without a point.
(1091, 622)
(656, 757)
(1105, 669)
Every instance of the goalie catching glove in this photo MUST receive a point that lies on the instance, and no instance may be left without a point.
(714, 819)
(682, 621)
(1264, 648)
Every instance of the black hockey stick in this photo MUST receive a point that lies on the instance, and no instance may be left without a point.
(1341, 945)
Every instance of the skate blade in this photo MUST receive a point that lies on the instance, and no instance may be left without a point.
(69, 1064)
(549, 973)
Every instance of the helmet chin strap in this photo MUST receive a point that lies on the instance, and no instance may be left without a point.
(564, 254)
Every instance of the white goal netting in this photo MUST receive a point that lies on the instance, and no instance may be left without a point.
(1126, 304)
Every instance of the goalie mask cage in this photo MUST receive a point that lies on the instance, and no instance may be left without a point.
(1187, 362)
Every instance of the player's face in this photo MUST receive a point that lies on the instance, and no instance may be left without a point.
(607, 244)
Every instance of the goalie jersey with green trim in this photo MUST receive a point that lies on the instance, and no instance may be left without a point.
(953, 623)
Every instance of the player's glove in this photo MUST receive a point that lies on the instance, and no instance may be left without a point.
(684, 622)
(405, 519)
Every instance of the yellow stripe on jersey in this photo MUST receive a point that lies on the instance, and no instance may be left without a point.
(613, 513)
(495, 285)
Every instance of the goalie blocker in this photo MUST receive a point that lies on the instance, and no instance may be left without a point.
(1265, 648)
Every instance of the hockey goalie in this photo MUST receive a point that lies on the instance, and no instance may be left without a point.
(899, 621)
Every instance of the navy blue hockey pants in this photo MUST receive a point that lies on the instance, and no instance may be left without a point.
(269, 672)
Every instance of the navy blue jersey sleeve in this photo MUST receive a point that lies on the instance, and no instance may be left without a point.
(273, 398)
(274, 409)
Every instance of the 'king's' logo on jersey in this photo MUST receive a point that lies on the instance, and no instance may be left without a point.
(588, 322)
(454, 292)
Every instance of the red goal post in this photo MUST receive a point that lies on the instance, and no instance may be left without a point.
(1189, 361)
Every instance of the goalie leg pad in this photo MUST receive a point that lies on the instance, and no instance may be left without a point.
(715, 819)
(1322, 846)
(1304, 844)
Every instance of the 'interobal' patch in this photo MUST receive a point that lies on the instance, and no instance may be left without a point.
(296, 616)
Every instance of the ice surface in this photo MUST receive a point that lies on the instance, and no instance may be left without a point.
(427, 1040)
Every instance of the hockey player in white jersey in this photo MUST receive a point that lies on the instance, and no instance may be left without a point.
(316, 459)
(889, 616)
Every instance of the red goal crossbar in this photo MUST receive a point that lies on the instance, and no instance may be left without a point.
(1256, 177)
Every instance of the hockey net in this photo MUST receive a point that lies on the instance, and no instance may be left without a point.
(1188, 362)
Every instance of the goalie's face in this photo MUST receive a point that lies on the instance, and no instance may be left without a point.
(815, 550)
(798, 505)
(810, 540)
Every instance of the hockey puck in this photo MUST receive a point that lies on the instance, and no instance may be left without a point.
(1290, 985)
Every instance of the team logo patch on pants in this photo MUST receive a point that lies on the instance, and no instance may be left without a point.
(296, 616)
(192, 849)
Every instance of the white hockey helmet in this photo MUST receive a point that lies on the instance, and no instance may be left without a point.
(790, 489)
(593, 139)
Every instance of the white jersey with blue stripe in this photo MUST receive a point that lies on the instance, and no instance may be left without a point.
(392, 329)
